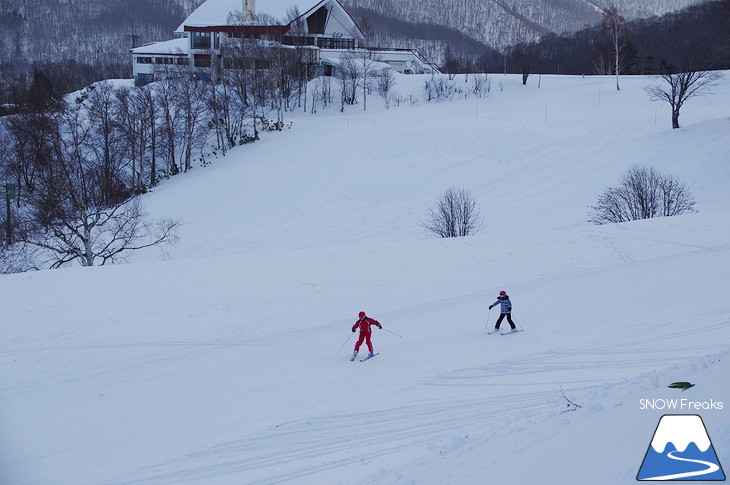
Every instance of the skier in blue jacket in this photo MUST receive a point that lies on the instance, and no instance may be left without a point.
(506, 310)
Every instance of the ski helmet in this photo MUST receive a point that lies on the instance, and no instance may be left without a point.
(362, 315)
(502, 292)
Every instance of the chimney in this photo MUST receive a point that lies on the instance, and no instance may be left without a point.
(249, 9)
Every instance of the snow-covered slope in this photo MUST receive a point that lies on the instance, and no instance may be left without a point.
(226, 362)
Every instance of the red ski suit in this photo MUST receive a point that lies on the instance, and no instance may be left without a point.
(365, 331)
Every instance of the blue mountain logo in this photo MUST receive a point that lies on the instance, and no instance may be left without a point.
(681, 450)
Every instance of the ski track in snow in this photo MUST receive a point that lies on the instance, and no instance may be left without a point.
(321, 443)
(318, 444)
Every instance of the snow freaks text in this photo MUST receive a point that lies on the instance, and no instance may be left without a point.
(680, 405)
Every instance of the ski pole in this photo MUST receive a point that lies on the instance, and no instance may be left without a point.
(381, 328)
(343, 345)
(486, 327)
(517, 322)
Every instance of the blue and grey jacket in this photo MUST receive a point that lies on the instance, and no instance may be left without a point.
(504, 301)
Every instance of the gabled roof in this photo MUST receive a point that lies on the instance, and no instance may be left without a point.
(217, 12)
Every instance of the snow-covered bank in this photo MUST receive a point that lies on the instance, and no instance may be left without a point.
(221, 364)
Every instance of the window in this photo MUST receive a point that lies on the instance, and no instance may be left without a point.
(201, 40)
(298, 40)
(144, 79)
(201, 60)
(317, 21)
(144, 60)
(335, 43)
(182, 61)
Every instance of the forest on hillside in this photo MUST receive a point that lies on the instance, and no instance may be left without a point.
(77, 42)
(497, 24)
(696, 37)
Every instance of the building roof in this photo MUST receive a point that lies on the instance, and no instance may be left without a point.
(216, 12)
(174, 46)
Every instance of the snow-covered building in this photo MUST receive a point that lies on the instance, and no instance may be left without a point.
(321, 28)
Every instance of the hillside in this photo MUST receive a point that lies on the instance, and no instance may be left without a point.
(86, 31)
(500, 23)
(225, 360)
(98, 33)
(495, 23)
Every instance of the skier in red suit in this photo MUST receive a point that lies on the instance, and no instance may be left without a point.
(364, 322)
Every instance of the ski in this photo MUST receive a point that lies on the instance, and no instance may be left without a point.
(512, 331)
(369, 357)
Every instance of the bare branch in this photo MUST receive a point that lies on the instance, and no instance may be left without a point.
(571, 406)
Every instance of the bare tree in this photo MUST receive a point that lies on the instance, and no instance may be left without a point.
(643, 193)
(615, 25)
(166, 96)
(128, 124)
(321, 93)
(367, 60)
(217, 109)
(237, 104)
(386, 81)
(481, 85)
(71, 215)
(349, 79)
(601, 61)
(525, 55)
(105, 145)
(298, 31)
(148, 108)
(454, 215)
(452, 64)
(678, 85)
(136, 122)
(193, 108)
(28, 142)
(95, 234)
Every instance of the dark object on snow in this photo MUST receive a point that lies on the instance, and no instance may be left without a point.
(680, 385)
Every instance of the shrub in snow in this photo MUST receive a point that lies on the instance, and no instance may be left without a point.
(440, 88)
(454, 215)
(643, 193)
(481, 85)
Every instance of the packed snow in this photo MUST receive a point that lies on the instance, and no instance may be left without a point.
(225, 359)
